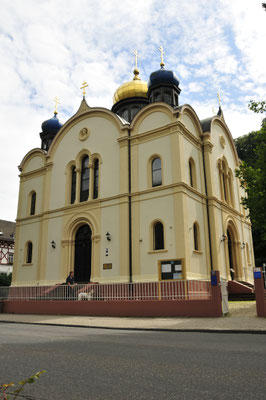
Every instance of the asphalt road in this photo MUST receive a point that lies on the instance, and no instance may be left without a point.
(99, 364)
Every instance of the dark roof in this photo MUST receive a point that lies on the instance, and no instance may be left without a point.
(206, 124)
(7, 228)
(161, 77)
(52, 125)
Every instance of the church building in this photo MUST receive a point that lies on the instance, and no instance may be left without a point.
(139, 193)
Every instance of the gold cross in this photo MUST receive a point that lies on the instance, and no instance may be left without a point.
(161, 50)
(219, 98)
(136, 57)
(84, 85)
(56, 100)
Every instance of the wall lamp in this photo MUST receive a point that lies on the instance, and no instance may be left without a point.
(223, 237)
(53, 244)
(108, 236)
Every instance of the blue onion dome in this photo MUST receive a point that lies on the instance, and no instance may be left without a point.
(162, 76)
(52, 125)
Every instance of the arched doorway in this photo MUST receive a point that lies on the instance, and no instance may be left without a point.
(232, 266)
(82, 265)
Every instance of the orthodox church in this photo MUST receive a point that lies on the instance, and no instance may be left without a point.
(142, 192)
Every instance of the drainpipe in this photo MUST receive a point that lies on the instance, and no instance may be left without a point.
(129, 209)
(207, 205)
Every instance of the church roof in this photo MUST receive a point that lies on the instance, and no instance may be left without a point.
(7, 230)
(206, 123)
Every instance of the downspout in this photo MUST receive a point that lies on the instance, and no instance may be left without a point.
(207, 206)
(129, 208)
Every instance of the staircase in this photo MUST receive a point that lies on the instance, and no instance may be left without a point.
(240, 291)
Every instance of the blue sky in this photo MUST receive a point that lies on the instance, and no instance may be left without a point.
(48, 48)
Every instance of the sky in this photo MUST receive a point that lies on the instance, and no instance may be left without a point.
(48, 48)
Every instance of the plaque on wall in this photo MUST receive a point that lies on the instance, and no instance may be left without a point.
(107, 266)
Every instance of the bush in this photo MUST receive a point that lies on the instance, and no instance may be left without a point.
(5, 279)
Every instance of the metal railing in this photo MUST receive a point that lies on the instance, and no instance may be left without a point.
(163, 290)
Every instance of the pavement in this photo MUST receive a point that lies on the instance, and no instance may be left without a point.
(240, 319)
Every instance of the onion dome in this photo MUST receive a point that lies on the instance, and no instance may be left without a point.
(130, 98)
(163, 85)
(134, 88)
(163, 76)
(50, 127)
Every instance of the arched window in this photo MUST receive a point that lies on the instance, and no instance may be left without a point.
(225, 181)
(156, 168)
(29, 253)
(85, 179)
(192, 173)
(32, 203)
(73, 184)
(96, 179)
(196, 236)
(231, 187)
(158, 236)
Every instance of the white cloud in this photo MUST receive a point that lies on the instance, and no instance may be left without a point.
(195, 87)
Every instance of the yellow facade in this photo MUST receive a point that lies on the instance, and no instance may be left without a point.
(190, 204)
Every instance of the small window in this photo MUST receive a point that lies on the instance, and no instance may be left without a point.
(156, 167)
(10, 258)
(29, 253)
(85, 179)
(157, 96)
(73, 184)
(33, 203)
(125, 114)
(134, 111)
(192, 173)
(196, 236)
(167, 97)
(96, 179)
(158, 236)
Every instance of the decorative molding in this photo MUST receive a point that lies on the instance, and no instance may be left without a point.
(67, 242)
(84, 134)
(96, 238)
(222, 141)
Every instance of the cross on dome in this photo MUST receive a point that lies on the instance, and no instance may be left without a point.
(84, 85)
(161, 50)
(56, 100)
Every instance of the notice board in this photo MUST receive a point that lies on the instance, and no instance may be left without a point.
(171, 269)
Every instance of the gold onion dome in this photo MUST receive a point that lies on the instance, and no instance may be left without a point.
(134, 88)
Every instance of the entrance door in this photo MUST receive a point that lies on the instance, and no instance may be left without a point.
(82, 269)
(231, 258)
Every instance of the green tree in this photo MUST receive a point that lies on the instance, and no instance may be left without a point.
(252, 174)
(257, 106)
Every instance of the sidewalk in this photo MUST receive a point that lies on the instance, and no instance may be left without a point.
(241, 318)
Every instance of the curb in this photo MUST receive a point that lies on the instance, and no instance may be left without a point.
(199, 330)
